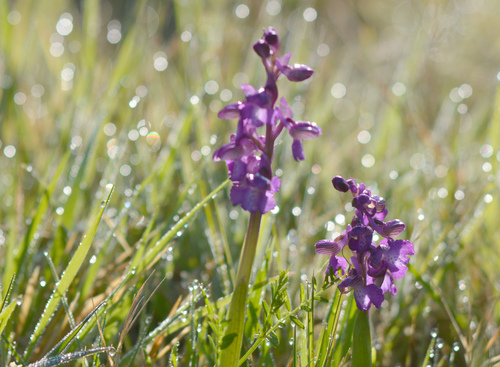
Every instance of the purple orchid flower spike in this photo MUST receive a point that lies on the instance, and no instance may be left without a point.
(249, 154)
(374, 267)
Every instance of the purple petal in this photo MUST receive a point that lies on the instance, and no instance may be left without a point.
(262, 49)
(388, 284)
(350, 283)
(305, 131)
(248, 90)
(297, 73)
(379, 203)
(393, 228)
(381, 215)
(285, 108)
(394, 255)
(298, 150)
(352, 186)
(328, 247)
(335, 263)
(237, 170)
(233, 150)
(283, 60)
(231, 111)
(271, 37)
(275, 184)
(250, 198)
(366, 296)
(361, 238)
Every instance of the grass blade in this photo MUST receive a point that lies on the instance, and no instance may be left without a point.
(66, 280)
(5, 315)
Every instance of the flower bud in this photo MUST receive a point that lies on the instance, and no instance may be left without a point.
(340, 184)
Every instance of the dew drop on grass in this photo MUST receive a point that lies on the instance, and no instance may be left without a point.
(439, 343)
(456, 346)
(434, 332)
(111, 351)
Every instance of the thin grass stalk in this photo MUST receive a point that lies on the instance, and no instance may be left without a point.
(233, 335)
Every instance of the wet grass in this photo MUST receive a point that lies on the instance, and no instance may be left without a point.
(116, 229)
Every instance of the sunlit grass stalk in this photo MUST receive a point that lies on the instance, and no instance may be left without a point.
(233, 334)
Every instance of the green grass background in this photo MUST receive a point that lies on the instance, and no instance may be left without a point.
(420, 81)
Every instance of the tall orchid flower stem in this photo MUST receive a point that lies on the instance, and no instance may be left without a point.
(361, 341)
(233, 334)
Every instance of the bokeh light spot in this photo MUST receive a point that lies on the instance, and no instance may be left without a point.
(9, 151)
(368, 160)
(242, 11)
(211, 87)
(273, 7)
(160, 62)
(310, 15)
(338, 90)
(486, 151)
(364, 137)
(399, 89)
(459, 195)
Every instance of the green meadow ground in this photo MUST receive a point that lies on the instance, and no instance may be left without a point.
(108, 121)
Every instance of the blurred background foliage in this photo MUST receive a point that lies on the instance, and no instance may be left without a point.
(127, 93)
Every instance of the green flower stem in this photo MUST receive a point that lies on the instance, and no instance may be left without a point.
(361, 341)
(233, 334)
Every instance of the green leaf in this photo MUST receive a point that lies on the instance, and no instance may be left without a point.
(273, 339)
(302, 293)
(361, 341)
(297, 322)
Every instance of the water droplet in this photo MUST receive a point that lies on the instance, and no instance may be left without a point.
(111, 351)
(434, 332)
(439, 343)
(456, 346)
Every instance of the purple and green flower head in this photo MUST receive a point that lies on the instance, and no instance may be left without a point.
(249, 154)
(373, 267)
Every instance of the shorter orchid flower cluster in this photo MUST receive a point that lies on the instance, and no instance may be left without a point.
(372, 267)
(248, 155)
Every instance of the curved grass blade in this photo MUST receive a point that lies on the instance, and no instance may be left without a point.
(66, 280)
(69, 357)
(66, 342)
